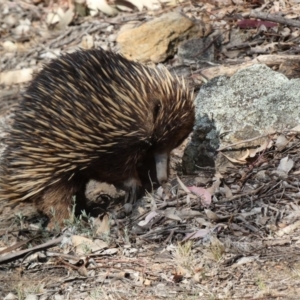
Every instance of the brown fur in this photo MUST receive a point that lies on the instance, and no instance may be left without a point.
(91, 115)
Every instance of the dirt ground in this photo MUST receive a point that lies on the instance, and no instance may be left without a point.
(210, 236)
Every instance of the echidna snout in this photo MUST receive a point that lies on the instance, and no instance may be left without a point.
(161, 162)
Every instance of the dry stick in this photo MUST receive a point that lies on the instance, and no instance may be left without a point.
(17, 245)
(274, 18)
(13, 256)
(243, 142)
(258, 137)
(254, 192)
(244, 45)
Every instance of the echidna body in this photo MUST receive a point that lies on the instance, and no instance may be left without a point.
(92, 115)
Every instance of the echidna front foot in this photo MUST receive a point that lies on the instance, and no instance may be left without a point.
(57, 202)
(131, 186)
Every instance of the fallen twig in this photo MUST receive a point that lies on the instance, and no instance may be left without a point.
(274, 18)
(14, 256)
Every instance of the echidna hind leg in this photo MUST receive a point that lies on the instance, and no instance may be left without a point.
(57, 201)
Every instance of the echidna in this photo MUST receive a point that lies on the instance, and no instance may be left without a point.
(92, 115)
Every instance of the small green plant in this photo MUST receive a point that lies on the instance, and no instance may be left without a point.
(296, 272)
(56, 224)
(217, 249)
(79, 223)
(185, 249)
(19, 219)
(261, 284)
(23, 289)
(185, 256)
(96, 293)
(86, 249)
(20, 292)
(126, 235)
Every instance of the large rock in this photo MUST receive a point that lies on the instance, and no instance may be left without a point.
(245, 106)
(156, 40)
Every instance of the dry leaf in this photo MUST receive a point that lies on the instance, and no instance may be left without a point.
(198, 277)
(23, 28)
(110, 252)
(9, 46)
(124, 5)
(215, 186)
(147, 282)
(148, 218)
(87, 42)
(233, 160)
(245, 260)
(265, 145)
(288, 229)
(211, 215)
(100, 5)
(84, 245)
(11, 296)
(60, 19)
(228, 193)
(140, 4)
(281, 142)
(129, 5)
(183, 186)
(16, 76)
(199, 234)
(171, 214)
(102, 226)
(188, 213)
(202, 222)
(83, 271)
(203, 193)
(285, 165)
(297, 128)
(245, 156)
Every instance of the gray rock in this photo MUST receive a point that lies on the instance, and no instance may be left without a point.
(199, 50)
(200, 152)
(245, 106)
(193, 50)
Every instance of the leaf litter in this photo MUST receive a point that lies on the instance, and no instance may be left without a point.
(220, 236)
(231, 221)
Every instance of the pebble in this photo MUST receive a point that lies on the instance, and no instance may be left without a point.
(31, 297)
(10, 296)
(110, 28)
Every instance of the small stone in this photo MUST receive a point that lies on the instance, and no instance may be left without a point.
(10, 296)
(11, 20)
(9, 46)
(31, 297)
(104, 47)
(110, 28)
(112, 37)
(87, 42)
